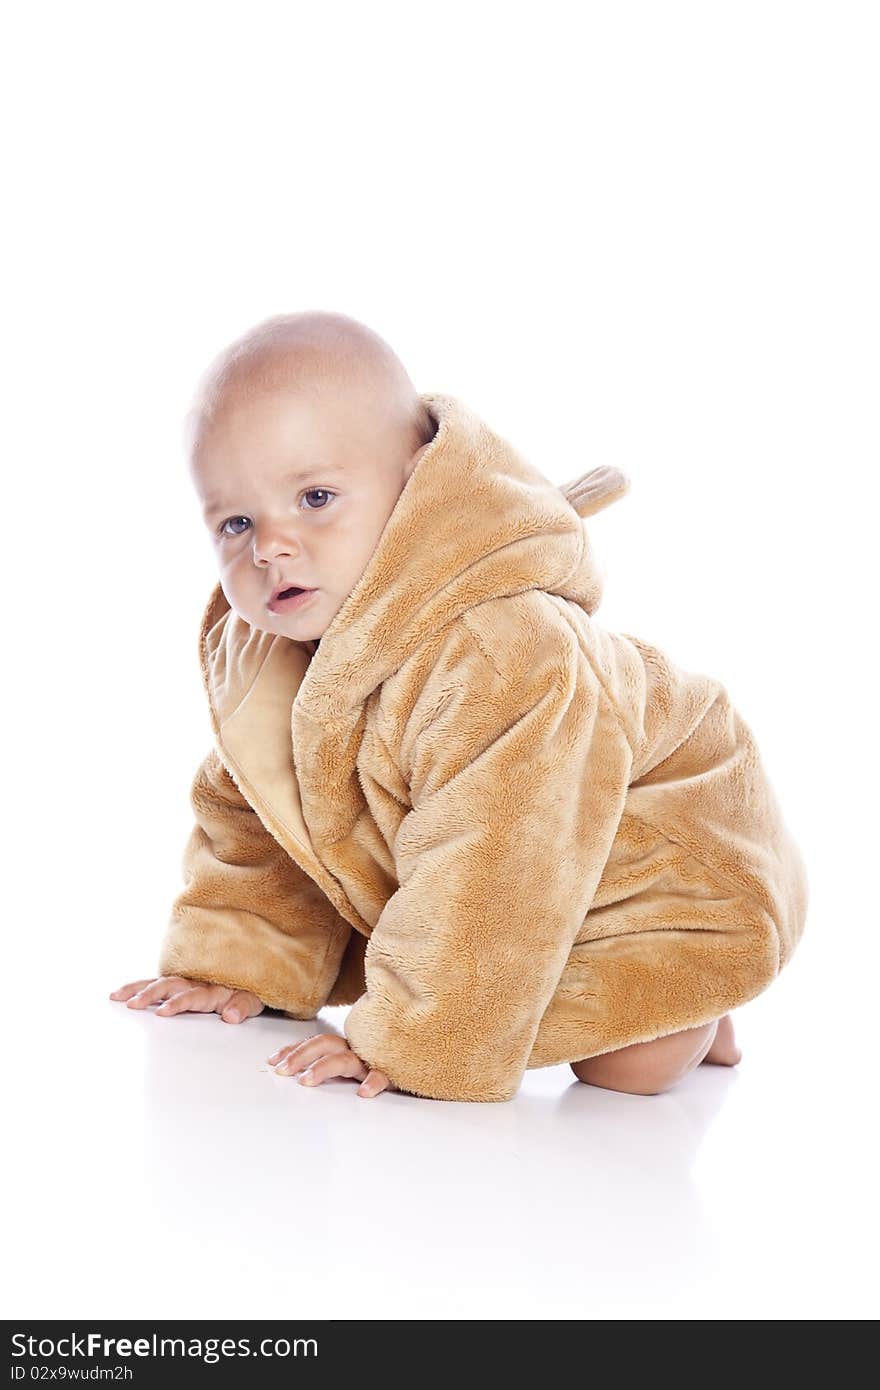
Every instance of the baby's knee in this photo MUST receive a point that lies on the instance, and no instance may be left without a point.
(616, 1073)
(647, 1069)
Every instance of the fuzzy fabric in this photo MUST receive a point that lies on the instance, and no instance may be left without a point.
(508, 837)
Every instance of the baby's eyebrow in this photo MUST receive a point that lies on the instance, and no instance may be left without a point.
(216, 503)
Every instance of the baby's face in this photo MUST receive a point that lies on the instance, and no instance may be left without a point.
(294, 493)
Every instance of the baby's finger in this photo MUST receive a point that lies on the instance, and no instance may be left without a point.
(375, 1082)
(155, 991)
(338, 1064)
(126, 991)
(299, 1055)
(197, 999)
(292, 1047)
(242, 1005)
(180, 1003)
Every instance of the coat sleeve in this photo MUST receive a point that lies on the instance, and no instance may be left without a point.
(249, 917)
(518, 780)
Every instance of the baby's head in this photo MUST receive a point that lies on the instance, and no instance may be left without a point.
(301, 438)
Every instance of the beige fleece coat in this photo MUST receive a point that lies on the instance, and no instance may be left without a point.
(508, 837)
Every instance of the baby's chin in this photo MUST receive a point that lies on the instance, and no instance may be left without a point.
(297, 632)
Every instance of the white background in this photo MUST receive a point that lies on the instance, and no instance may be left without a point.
(632, 234)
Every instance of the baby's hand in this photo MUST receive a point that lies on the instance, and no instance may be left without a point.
(190, 996)
(325, 1055)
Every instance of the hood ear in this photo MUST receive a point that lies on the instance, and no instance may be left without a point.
(594, 490)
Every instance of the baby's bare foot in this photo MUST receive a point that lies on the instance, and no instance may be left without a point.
(724, 1051)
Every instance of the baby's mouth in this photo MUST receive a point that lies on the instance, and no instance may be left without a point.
(286, 599)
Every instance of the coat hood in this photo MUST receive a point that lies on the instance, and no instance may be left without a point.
(475, 521)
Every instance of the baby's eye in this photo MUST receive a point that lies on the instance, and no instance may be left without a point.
(321, 491)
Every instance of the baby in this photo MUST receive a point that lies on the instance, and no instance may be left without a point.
(439, 791)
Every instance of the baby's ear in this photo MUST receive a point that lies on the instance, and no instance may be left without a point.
(594, 490)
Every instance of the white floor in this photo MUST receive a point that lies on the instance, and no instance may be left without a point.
(158, 1168)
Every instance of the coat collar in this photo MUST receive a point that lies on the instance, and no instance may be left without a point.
(474, 521)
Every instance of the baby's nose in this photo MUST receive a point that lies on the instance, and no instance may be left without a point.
(271, 545)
